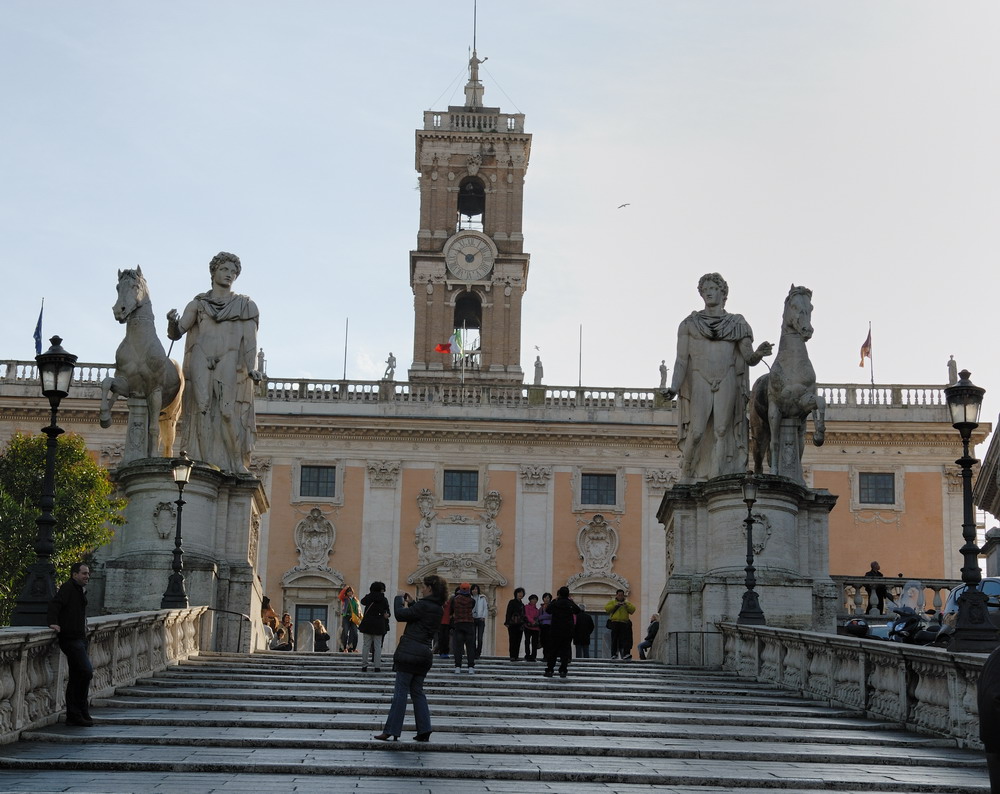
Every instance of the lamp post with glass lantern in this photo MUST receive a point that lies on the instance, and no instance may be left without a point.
(55, 370)
(751, 613)
(175, 596)
(974, 632)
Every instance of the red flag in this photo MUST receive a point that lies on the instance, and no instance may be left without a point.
(866, 349)
(443, 348)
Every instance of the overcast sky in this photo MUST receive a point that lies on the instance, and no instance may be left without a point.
(848, 146)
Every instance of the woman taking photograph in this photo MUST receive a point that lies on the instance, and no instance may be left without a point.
(413, 657)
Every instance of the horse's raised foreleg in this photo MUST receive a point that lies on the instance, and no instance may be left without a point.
(819, 422)
(111, 390)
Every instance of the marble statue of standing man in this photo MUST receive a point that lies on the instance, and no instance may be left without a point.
(539, 371)
(220, 427)
(711, 379)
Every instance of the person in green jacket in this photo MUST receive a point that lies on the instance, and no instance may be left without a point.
(619, 621)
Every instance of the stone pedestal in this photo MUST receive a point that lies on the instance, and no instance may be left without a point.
(220, 536)
(137, 431)
(706, 560)
(789, 463)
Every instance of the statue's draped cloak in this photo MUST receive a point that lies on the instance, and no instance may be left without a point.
(227, 391)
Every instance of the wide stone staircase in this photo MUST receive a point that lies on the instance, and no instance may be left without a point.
(304, 723)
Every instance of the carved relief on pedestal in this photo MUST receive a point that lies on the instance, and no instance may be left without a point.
(597, 541)
(658, 480)
(383, 473)
(535, 478)
(458, 546)
(111, 454)
(165, 519)
(761, 532)
(254, 543)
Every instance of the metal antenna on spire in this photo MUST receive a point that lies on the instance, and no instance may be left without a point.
(475, 8)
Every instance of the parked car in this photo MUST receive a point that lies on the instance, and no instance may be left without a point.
(989, 585)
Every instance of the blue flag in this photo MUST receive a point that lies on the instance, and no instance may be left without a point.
(38, 330)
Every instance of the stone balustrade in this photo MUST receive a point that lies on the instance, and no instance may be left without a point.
(839, 397)
(855, 598)
(123, 648)
(928, 690)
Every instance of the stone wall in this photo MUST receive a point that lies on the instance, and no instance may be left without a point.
(927, 690)
(123, 648)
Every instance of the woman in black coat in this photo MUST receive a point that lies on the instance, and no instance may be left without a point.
(413, 657)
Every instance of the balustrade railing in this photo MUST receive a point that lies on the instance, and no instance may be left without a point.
(497, 395)
(856, 600)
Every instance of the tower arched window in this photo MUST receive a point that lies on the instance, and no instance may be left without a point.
(471, 204)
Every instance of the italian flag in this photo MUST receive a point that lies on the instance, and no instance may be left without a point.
(453, 345)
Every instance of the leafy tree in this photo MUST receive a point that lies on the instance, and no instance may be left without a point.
(85, 509)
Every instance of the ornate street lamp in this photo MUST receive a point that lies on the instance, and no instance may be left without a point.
(974, 632)
(751, 613)
(55, 369)
(175, 596)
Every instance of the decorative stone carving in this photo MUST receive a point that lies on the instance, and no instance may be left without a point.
(165, 519)
(111, 454)
(383, 473)
(259, 467)
(254, 542)
(658, 480)
(466, 564)
(761, 533)
(597, 542)
(535, 478)
(314, 539)
(475, 162)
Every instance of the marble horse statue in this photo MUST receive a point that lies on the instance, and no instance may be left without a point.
(787, 392)
(143, 370)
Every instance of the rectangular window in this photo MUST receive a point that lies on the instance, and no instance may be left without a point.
(461, 486)
(307, 613)
(877, 488)
(598, 489)
(318, 481)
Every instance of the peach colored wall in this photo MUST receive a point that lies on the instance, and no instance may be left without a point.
(349, 521)
(913, 547)
(281, 555)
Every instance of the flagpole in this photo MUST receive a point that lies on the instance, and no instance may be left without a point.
(579, 366)
(347, 328)
(871, 354)
(461, 351)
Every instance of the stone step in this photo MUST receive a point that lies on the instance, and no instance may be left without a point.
(858, 731)
(741, 748)
(304, 723)
(556, 711)
(403, 760)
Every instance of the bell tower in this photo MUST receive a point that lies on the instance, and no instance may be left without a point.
(469, 270)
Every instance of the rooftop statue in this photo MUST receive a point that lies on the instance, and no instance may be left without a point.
(712, 383)
(219, 357)
(143, 370)
(788, 391)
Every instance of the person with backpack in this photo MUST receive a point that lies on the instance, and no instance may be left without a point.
(463, 627)
(582, 631)
(374, 625)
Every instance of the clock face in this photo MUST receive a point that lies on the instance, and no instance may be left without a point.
(469, 257)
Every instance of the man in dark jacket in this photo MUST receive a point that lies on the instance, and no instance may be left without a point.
(67, 617)
(563, 611)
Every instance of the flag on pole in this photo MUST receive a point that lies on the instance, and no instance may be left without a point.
(866, 349)
(38, 330)
(453, 345)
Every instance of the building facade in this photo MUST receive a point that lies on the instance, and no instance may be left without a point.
(465, 471)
